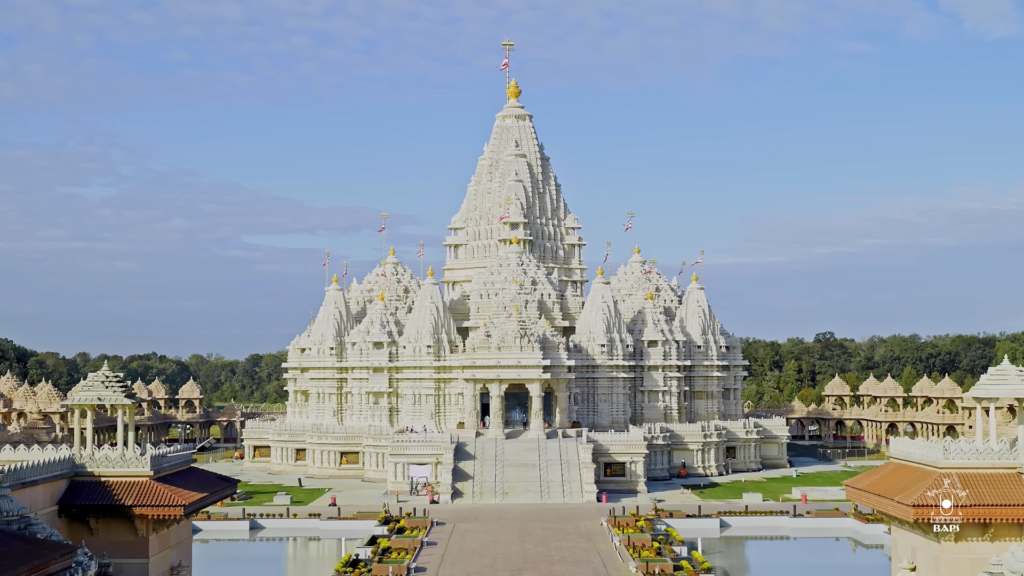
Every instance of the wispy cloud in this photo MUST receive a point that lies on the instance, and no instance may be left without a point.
(988, 18)
(98, 50)
(892, 225)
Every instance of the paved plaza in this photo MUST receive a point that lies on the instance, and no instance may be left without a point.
(520, 540)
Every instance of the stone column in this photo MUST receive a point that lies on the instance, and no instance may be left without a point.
(979, 428)
(992, 422)
(89, 428)
(120, 428)
(536, 410)
(78, 429)
(471, 405)
(131, 427)
(497, 429)
(562, 409)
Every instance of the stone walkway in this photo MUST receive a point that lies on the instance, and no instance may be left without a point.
(520, 540)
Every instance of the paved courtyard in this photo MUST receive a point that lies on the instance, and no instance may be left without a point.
(520, 540)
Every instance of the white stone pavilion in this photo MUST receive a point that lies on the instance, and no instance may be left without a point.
(610, 388)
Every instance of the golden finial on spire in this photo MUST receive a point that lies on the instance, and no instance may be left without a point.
(694, 276)
(549, 323)
(636, 250)
(335, 279)
(380, 297)
(515, 280)
(650, 295)
(513, 90)
(600, 271)
(515, 308)
(392, 251)
(515, 240)
(430, 272)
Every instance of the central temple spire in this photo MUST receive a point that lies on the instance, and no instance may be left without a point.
(514, 193)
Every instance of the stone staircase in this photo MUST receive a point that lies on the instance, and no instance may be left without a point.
(517, 469)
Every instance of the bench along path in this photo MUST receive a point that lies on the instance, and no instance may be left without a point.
(520, 540)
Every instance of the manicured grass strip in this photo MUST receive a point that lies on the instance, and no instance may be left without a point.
(770, 488)
(264, 494)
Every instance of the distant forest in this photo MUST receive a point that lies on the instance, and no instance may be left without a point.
(778, 371)
(257, 378)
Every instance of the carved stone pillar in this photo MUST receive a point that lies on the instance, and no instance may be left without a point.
(78, 429)
(497, 429)
(536, 410)
(562, 409)
(89, 418)
(979, 428)
(131, 427)
(992, 422)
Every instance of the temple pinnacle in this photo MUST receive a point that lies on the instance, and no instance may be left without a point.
(335, 279)
(513, 90)
(694, 277)
(430, 272)
(636, 250)
(392, 251)
(600, 271)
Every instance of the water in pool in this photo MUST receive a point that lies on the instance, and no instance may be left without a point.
(743, 556)
(269, 556)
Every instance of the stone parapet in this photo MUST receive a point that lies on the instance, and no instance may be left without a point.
(960, 452)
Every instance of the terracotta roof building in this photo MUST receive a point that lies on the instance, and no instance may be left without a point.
(170, 496)
(25, 555)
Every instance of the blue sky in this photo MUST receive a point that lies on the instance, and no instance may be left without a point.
(171, 172)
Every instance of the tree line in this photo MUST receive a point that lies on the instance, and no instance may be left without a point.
(257, 378)
(778, 371)
(782, 371)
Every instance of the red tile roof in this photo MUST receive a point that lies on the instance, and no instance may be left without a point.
(913, 493)
(172, 495)
(27, 555)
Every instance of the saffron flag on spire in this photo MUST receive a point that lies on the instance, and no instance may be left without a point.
(650, 270)
(504, 63)
(683, 269)
(419, 254)
(381, 229)
(607, 253)
(628, 225)
(327, 260)
(504, 216)
(699, 260)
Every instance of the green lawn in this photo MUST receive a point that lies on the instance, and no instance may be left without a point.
(770, 488)
(264, 494)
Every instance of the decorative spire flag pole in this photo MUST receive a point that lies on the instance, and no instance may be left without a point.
(420, 256)
(383, 236)
(327, 260)
(344, 274)
(507, 47)
(629, 227)
(701, 262)
(607, 251)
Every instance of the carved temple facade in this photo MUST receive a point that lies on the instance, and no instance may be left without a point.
(510, 338)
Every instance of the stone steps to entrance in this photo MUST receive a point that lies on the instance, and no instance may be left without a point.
(517, 469)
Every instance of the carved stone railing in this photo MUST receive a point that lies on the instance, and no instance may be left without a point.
(50, 467)
(424, 438)
(948, 450)
(22, 452)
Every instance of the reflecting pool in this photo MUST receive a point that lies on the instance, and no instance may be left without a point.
(783, 556)
(268, 555)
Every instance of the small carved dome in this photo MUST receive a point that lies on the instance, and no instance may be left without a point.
(47, 396)
(141, 390)
(837, 387)
(924, 387)
(190, 390)
(158, 389)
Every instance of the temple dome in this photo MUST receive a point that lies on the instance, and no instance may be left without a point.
(601, 330)
(837, 387)
(889, 388)
(868, 387)
(47, 396)
(429, 331)
(924, 387)
(190, 390)
(140, 390)
(158, 389)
